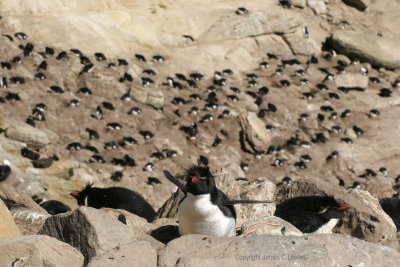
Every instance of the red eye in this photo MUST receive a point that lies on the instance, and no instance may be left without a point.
(195, 180)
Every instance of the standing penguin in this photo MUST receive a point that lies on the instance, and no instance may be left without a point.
(115, 198)
(205, 209)
(312, 214)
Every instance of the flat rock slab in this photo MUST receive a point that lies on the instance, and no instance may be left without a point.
(269, 250)
(352, 80)
(140, 253)
(38, 250)
(379, 51)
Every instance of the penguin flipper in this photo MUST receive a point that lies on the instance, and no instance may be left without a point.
(174, 181)
(245, 201)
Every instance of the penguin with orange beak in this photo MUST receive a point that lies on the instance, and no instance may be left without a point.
(205, 209)
(312, 214)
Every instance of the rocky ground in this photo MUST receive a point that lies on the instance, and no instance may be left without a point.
(309, 92)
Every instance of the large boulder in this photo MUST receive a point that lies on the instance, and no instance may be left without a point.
(92, 231)
(27, 134)
(263, 250)
(255, 135)
(379, 51)
(38, 250)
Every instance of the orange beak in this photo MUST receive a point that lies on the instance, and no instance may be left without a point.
(344, 207)
(195, 180)
(74, 194)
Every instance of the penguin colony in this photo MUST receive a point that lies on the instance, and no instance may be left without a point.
(113, 132)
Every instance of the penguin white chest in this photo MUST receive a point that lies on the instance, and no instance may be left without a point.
(198, 215)
(328, 227)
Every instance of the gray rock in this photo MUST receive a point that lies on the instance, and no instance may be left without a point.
(265, 250)
(299, 3)
(318, 6)
(258, 189)
(170, 207)
(379, 51)
(154, 98)
(352, 80)
(269, 225)
(359, 4)
(27, 134)
(255, 134)
(38, 250)
(92, 231)
(138, 253)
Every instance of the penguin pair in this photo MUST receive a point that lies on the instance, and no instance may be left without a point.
(205, 209)
(312, 214)
(115, 198)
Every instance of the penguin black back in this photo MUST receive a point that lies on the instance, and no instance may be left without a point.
(392, 208)
(54, 207)
(115, 198)
(310, 213)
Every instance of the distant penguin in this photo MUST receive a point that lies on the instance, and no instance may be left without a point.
(205, 209)
(55, 207)
(5, 170)
(392, 208)
(115, 198)
(312, 214)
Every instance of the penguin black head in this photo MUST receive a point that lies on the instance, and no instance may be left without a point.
(81, 196)
(200, 180)
(329, 208)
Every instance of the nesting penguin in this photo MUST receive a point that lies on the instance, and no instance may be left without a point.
(55, 207)
(391, 206)
(312, 214)
(5, 170)
(205, 209)
(115, 198)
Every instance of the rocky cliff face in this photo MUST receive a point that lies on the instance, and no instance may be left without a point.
(292, 100)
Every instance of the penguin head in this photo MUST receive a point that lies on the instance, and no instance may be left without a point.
(200, 180)
(82, 196)
(329, 208)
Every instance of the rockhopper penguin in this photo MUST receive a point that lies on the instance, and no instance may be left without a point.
(392, 208)
(205, 209)
(312, 214)
(115, 198)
